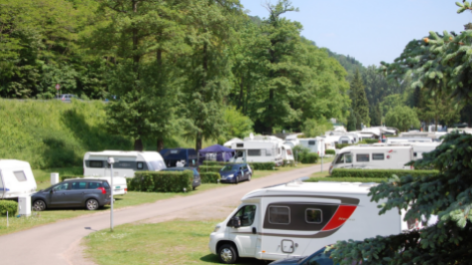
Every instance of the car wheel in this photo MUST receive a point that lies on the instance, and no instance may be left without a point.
(39, 205)
(92, 204)
(227, 254)
(236, 180)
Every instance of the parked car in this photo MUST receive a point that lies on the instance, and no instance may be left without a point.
(88, 193)
(67, 97)
(196, 175)
(320, 257)
(234, 173)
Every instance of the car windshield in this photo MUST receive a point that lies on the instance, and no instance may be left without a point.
(230, 167)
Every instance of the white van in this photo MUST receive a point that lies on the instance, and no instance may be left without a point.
(16, 179)
(126, 163)
(315, 145)
(373, 157)
(296, 219)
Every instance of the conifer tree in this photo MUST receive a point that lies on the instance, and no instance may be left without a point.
(359, 102)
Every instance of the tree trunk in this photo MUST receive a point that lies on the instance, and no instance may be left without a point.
(160, 144)
(138, 145)
(198, 142)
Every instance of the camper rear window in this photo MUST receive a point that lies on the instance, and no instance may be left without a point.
(362, 157)
(279, 215)
(378, 157)
(313, 216)
(20, 176)
(124, 164)
(98, 164)
(254, 152)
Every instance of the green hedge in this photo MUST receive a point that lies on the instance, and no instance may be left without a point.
(10, 206)
(330, 152)
(341, 146)
(70, 177)
(214, 163)
(263, 166)
(378, 180)
(206, 169)
(209, 177)
(310, 158)
(161, 181)
(371, 141)
(379, 173)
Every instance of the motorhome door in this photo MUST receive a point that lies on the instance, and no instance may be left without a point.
(245, 233)
(344, 160)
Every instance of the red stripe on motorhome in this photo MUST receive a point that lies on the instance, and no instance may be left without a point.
(340, 217)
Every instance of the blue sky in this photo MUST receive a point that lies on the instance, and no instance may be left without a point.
(371, 31)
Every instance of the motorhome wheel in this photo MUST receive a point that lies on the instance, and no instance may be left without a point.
(39, 205)
(227, 254)
(92, 204)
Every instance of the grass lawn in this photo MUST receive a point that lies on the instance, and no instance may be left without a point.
(132, 198)
(174, 242)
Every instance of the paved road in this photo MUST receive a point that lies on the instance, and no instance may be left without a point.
(59, 243)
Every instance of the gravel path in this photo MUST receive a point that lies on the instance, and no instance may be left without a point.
(59, 243)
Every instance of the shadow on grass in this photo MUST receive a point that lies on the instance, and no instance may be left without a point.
(211, 258)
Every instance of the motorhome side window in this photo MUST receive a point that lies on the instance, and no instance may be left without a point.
(378, 157)
(140, 165)
(20, 176)
(246, 214)
(362, 158)
(253, 152)
(124, 164)
(279, 215)
(96, 163)
(311, 142)
(344, 158)
(313, 216)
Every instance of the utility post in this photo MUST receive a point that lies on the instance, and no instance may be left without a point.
(111, 161)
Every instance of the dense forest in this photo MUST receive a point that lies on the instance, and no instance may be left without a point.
(202, 69)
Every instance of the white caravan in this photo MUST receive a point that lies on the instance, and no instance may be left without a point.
(392, 140)
(315, 145)
(287, 153)
(126, 163)
(373, 157)
(16, 179)
(259, 149)
(296, 219)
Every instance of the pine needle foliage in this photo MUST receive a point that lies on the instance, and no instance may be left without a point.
(447, 195)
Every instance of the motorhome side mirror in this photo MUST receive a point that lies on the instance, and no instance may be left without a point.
(235, 222)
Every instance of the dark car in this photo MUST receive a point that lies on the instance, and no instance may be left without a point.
(196, 175)
(320, 257)
(234, 173)
(88, 193)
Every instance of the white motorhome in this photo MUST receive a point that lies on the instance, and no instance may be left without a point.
(373, 157)
(408, 140)
(126, 163)
(419, 148)
(315, 145)
(259, 149)
(296, 219)
(16, 179)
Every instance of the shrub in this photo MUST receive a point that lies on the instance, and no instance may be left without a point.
(10, 206)
(209, 177)
(70, 177)
(310, 158)
(378, 180)
(330, 152)
(215, 169)
(161, 181)
(341, 146)
(299, 152)
(213, 163)
(379, 173)
(371, 141)
(263, 166)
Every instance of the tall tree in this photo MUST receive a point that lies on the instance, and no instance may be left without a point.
(359, 102)
(207, 68)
